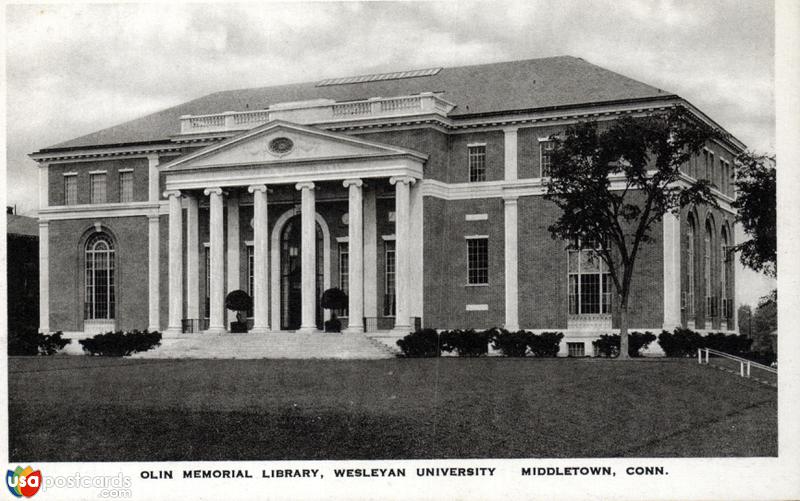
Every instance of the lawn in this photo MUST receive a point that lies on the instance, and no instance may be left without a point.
(79, 408)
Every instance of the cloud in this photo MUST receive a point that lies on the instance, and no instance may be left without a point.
(76, 68)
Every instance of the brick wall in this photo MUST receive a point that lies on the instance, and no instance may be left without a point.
(112, 168)
(67, 244)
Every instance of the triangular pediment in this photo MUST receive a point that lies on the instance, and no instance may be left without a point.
(280, 141)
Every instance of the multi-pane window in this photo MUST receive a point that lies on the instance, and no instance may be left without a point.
(99, 268)
(344, 275)
(478, 261)
(707, 272)
(726, 176)
(723, 273)
(207, 301)
(546, 156)
(589, 280)
(690, 257)
(70, 189)
(98, 188)
(712, 176)
(576, 349)
(389, 280)
(250, 276)
(126, 186)
(706, 166)
(477, 163)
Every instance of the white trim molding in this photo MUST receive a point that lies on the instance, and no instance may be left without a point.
(476, 217)
(477, 307)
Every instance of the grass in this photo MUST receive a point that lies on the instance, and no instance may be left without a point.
(100, 409)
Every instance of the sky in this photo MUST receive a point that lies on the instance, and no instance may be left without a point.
(74, 69)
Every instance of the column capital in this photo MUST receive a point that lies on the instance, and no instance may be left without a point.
(511, 129)
(216, 190)
(172, 193)
(402, 179)
(306, 185)
(510, 199)
(353, 182)
(257, 187)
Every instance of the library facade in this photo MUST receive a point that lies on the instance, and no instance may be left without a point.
(418, 193)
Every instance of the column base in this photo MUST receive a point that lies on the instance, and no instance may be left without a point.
(216, 330)
(354, 330)
(259, 330)
(173, 332)
(511, 327)
(402, 330)
(308, 330)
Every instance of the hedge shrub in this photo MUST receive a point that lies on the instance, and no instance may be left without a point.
(680, 343)
(120, 344)
(729, 343)
(512, 344)
(421, 343)
(545, 344)
(608, 344)
(466, 343)
(28, 342)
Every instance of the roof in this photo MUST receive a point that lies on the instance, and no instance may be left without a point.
(480, 89)
(22, 225)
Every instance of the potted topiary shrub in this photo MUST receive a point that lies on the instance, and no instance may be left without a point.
(239, 301)
(334, 299)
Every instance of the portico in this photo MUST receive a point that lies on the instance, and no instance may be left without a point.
(280, 160)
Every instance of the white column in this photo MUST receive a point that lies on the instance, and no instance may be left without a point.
(511, 263)
(152, 177)
(44, 277)
(402, 319)
(192, 258)
(510, 153)
(672, 271)
(355, 255)
(260, 259)
(233, 243)
(153, 273)
(174, 326)
(308, 275)
(416, 239)
(44, 252)
(216, 316)
(370, 254)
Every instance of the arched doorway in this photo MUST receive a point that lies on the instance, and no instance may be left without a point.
(291, 250)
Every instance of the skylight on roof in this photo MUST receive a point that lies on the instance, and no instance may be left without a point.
(379, 76)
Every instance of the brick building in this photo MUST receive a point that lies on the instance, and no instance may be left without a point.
(418, 192)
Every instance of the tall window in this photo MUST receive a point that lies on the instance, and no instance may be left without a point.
(344, 275)
(478, 261)
(546, 157)
(712, 176)
(98, 188)
(250, 276)
(207, 301)
(99, 302)
(389, 280)
(723, 274)
(690, 267)
(589, 280)
(706, 167)
(477, 163)
(707, 272)
(70, 189)
(126, 186)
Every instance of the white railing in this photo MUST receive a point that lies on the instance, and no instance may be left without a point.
(318, 111)
(745, 366)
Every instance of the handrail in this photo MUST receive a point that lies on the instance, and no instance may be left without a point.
(744, 364)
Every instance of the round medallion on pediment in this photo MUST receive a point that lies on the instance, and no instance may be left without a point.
(281, 145)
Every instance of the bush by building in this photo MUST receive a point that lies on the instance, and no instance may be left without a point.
(608, 344)
(472, 343)
(512, 344)
(421, 343)
(120, 344)
(28, 342)
(466, 343)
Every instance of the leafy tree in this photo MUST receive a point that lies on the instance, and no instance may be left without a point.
(614, 181)
(745, 320)
(756, 205)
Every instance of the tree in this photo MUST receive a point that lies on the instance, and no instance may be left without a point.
(756, 205)
(334, 299)
(614, 181)
(745, 320)
(239, 301)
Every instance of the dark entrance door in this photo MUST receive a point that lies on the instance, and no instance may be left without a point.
(291, 272)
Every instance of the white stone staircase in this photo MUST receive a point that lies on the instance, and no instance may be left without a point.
(286, 345)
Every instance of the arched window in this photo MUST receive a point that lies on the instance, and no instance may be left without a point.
(99, 303)
(724, 265)
(707, 286)
(690, 257)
